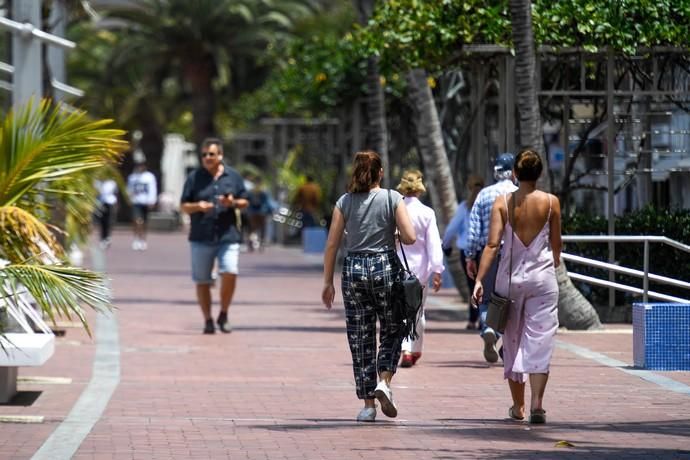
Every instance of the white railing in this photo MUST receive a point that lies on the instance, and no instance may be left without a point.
(644, 273)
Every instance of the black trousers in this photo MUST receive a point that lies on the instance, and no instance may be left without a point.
(105, 220)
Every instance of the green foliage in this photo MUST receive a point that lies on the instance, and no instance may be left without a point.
(411, 34)
(664, 260)
(317, 74)
(312, 75)
(624, 24)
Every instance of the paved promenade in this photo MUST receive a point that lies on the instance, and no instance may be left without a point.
(149, 385)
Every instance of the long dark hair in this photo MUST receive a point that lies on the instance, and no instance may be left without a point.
(366, 170)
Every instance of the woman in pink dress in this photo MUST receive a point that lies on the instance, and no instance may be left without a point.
(529, 223)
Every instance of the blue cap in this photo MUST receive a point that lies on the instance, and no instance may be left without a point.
(504, 162)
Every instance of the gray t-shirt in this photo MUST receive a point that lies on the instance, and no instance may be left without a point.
(369, 220)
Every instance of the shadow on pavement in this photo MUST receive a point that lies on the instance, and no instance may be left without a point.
(493, 430)
(469, 364)
(23, 398)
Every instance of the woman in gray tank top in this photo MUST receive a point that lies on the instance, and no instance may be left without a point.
(368, 217)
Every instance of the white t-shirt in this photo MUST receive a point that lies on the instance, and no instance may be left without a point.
(142, 189)
(107, 191)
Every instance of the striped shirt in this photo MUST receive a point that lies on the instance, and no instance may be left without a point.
(480, 216)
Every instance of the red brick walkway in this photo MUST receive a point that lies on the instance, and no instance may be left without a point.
(280, 386)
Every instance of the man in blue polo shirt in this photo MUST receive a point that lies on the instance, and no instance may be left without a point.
(213, 196)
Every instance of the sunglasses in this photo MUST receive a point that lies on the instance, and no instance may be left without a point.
(208, 154)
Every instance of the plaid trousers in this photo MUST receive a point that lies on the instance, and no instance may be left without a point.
(366, 285)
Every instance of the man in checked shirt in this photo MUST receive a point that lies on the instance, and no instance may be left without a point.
(480, 218)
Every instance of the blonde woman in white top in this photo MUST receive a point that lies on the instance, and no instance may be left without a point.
(425, 256)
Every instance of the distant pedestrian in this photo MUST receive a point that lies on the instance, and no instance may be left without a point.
(211, 195)
(258, 211)
(308, 202)
(143, 193)
(529, 223)
(369, 216)
(456, 233)
(425, 256)
(107, 200)
(477, 237)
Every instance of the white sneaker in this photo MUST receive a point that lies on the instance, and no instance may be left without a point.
(135, 245)
(490, 353)
(143, 246)
(385, 396)
(367, 414)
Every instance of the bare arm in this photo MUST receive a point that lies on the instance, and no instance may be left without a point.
(404, 224)
(197, 206)
(335, 235)
(491, 248)
(555, 231)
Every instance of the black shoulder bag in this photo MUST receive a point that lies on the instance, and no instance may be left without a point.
(499, 306)
(406, 295)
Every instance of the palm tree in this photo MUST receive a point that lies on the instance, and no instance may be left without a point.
(436, 164)
(376, 103)
(41, 147)
(574, 310)
(208, 46)
(431, 147)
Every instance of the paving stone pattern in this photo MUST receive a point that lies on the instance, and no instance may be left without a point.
(281, 387)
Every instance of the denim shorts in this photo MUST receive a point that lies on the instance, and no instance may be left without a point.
(205, 254)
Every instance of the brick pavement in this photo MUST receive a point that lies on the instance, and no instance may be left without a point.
(280, 386)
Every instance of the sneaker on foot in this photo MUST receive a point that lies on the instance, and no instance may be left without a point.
(490, 354)
(385, 396)
(143, 246)
(367, 414)
(136, 245)
(223, 323)
(208, 328)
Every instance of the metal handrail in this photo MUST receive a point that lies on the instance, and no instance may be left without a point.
(644, 274)
(26, 30)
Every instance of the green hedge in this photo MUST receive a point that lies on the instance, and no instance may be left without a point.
(664, 260)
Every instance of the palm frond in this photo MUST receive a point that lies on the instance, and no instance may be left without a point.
(44, 143)
(23, 236)
(60, 291)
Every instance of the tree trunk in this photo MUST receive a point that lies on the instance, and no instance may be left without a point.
(198, 75)
(574, 311)
(377, 132)
(436, 165)
(526, 83)
(377, 138)
(151, 142)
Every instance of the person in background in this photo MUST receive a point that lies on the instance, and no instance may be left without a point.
(143, 193)
(308, 201)
(477, 237)
(456, 233)
(258, 210)
(211, 196)
(529, 223)
(107, 200)
(368, 217)
(425, 256)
